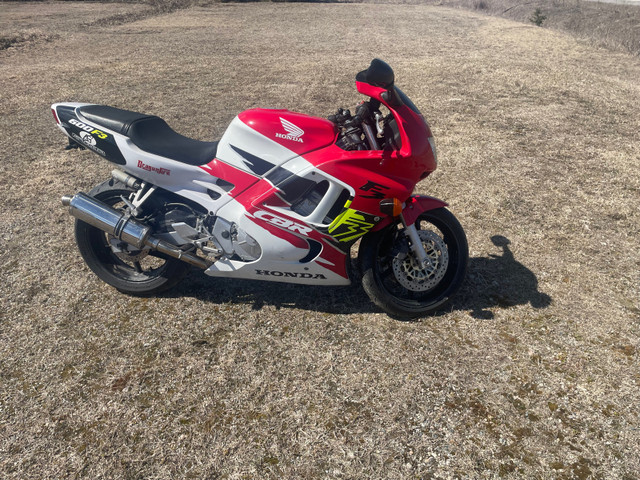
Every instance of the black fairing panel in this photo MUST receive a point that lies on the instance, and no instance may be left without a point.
(89, 135)
(294, 188)
(315, 248)
(256, 164)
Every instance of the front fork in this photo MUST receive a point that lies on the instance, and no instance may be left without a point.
(415, 206)
(416, 244)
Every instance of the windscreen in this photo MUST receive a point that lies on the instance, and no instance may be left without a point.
(407, 101)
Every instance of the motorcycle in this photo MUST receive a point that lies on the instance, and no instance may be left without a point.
(282, 197)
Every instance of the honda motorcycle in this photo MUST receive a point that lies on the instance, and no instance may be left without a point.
(282, 196)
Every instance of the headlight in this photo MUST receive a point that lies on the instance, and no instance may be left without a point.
(432, 142)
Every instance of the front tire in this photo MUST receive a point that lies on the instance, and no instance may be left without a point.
(129, 270)
(389, 273)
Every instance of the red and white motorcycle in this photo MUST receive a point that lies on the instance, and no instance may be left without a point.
(281, 197)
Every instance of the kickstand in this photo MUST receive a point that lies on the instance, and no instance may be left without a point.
(73, 144)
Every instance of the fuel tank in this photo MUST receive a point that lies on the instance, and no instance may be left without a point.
(296, 131)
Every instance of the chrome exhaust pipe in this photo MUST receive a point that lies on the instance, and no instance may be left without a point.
(102, 216)
(123, 227)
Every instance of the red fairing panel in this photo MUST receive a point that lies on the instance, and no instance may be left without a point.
(241, 180)
(298, 132)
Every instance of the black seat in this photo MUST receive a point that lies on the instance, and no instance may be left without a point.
(151, 134)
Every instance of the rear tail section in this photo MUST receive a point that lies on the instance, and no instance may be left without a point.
(83, 134)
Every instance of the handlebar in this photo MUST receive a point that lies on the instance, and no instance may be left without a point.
(367, 115)
(344, 119)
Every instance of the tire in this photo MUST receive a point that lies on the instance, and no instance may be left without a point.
(393, 282)
(135, 272)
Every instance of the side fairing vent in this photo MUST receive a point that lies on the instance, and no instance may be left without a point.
(321, 203)
(314, 198)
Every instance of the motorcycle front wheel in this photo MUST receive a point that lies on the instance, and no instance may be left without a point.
(130, 270)
(392, 277)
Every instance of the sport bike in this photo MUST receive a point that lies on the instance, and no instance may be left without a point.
(282, 197)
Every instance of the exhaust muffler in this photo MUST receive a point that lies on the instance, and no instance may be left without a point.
(123, 227)
(102, 216)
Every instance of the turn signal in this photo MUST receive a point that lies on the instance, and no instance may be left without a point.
(391, 207)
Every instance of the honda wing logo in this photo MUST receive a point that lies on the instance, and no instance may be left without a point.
(293, 131)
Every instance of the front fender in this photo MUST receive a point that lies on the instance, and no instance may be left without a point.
(418, 204)
(413, 208)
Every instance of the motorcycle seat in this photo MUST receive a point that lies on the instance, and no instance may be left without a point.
(151, 134)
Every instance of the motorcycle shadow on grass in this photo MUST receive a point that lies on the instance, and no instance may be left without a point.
(496, 281)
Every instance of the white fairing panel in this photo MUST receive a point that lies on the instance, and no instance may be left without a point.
(280, 260)
(242, 136)
(186, 180)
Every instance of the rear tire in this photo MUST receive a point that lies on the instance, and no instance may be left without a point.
(129, 270)
(402, 290)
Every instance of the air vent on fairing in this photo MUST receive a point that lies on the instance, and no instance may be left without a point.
(322, 203)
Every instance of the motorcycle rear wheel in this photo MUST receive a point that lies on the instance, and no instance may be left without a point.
(130, 270)
(390, 275)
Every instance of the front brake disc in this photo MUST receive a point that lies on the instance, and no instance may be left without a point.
(408, 272)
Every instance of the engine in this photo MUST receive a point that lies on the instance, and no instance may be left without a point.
(186, 225)
(213, 236)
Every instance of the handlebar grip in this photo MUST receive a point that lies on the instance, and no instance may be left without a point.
(355, 121)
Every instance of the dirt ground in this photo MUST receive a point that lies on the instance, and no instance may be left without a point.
(531, 373)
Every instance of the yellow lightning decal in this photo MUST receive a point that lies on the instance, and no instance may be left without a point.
(349, 225)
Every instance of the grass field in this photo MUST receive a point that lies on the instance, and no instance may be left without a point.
(611, 25)
(533, 372)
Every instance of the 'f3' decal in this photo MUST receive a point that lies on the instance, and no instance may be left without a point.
(375, 189)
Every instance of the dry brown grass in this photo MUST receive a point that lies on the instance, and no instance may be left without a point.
(532, 373)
